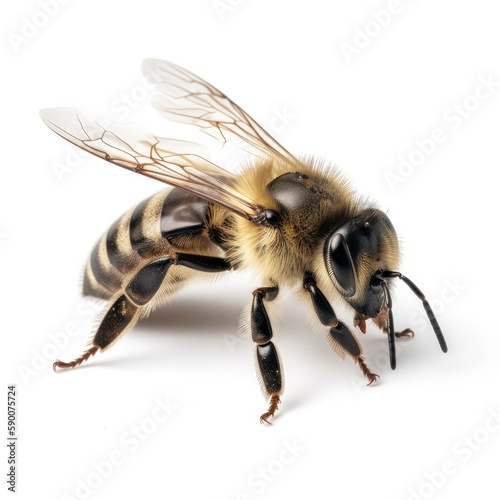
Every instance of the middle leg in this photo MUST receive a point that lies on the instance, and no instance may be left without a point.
(268, 360)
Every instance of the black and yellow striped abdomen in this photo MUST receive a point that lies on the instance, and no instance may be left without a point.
(168, 222)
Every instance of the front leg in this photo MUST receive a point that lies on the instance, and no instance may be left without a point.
(382, 321)
(268, 360)
(339, 337)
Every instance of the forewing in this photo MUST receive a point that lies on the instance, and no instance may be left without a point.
(186, 98)
(177, 163)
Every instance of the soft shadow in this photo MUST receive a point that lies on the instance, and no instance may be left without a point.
(187, 315)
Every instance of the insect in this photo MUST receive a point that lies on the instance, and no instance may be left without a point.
(295, 220)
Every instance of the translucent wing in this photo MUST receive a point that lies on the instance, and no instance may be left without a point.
(186, 98)
(173, 162)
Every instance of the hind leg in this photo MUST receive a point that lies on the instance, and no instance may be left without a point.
(125, 306)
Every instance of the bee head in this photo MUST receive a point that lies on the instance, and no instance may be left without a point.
(355, 253)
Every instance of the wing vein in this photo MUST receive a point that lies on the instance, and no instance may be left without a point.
(133, 148)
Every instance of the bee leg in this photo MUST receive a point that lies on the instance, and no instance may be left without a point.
(343, 341)
(339, 336)
(78, 361)
(382, 320)
(268, 359)
(126, 305)
(120, 317)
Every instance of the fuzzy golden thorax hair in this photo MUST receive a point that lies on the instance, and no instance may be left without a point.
(282, 254)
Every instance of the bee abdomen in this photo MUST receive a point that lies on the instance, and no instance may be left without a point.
(155, 227)
(131, 239)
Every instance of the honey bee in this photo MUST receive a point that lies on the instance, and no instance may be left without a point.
(296, 221)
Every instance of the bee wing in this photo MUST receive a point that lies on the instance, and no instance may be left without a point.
(132, 147)
(186, 98)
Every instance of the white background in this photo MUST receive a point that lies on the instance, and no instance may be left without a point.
(427, 430)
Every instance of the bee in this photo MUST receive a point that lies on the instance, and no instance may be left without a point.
(296, 221)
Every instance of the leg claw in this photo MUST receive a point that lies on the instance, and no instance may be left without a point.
(407, 333)
(78, 361)
(372, 377)
(273, 406)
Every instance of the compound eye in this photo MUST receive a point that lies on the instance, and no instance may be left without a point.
(341, 264)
